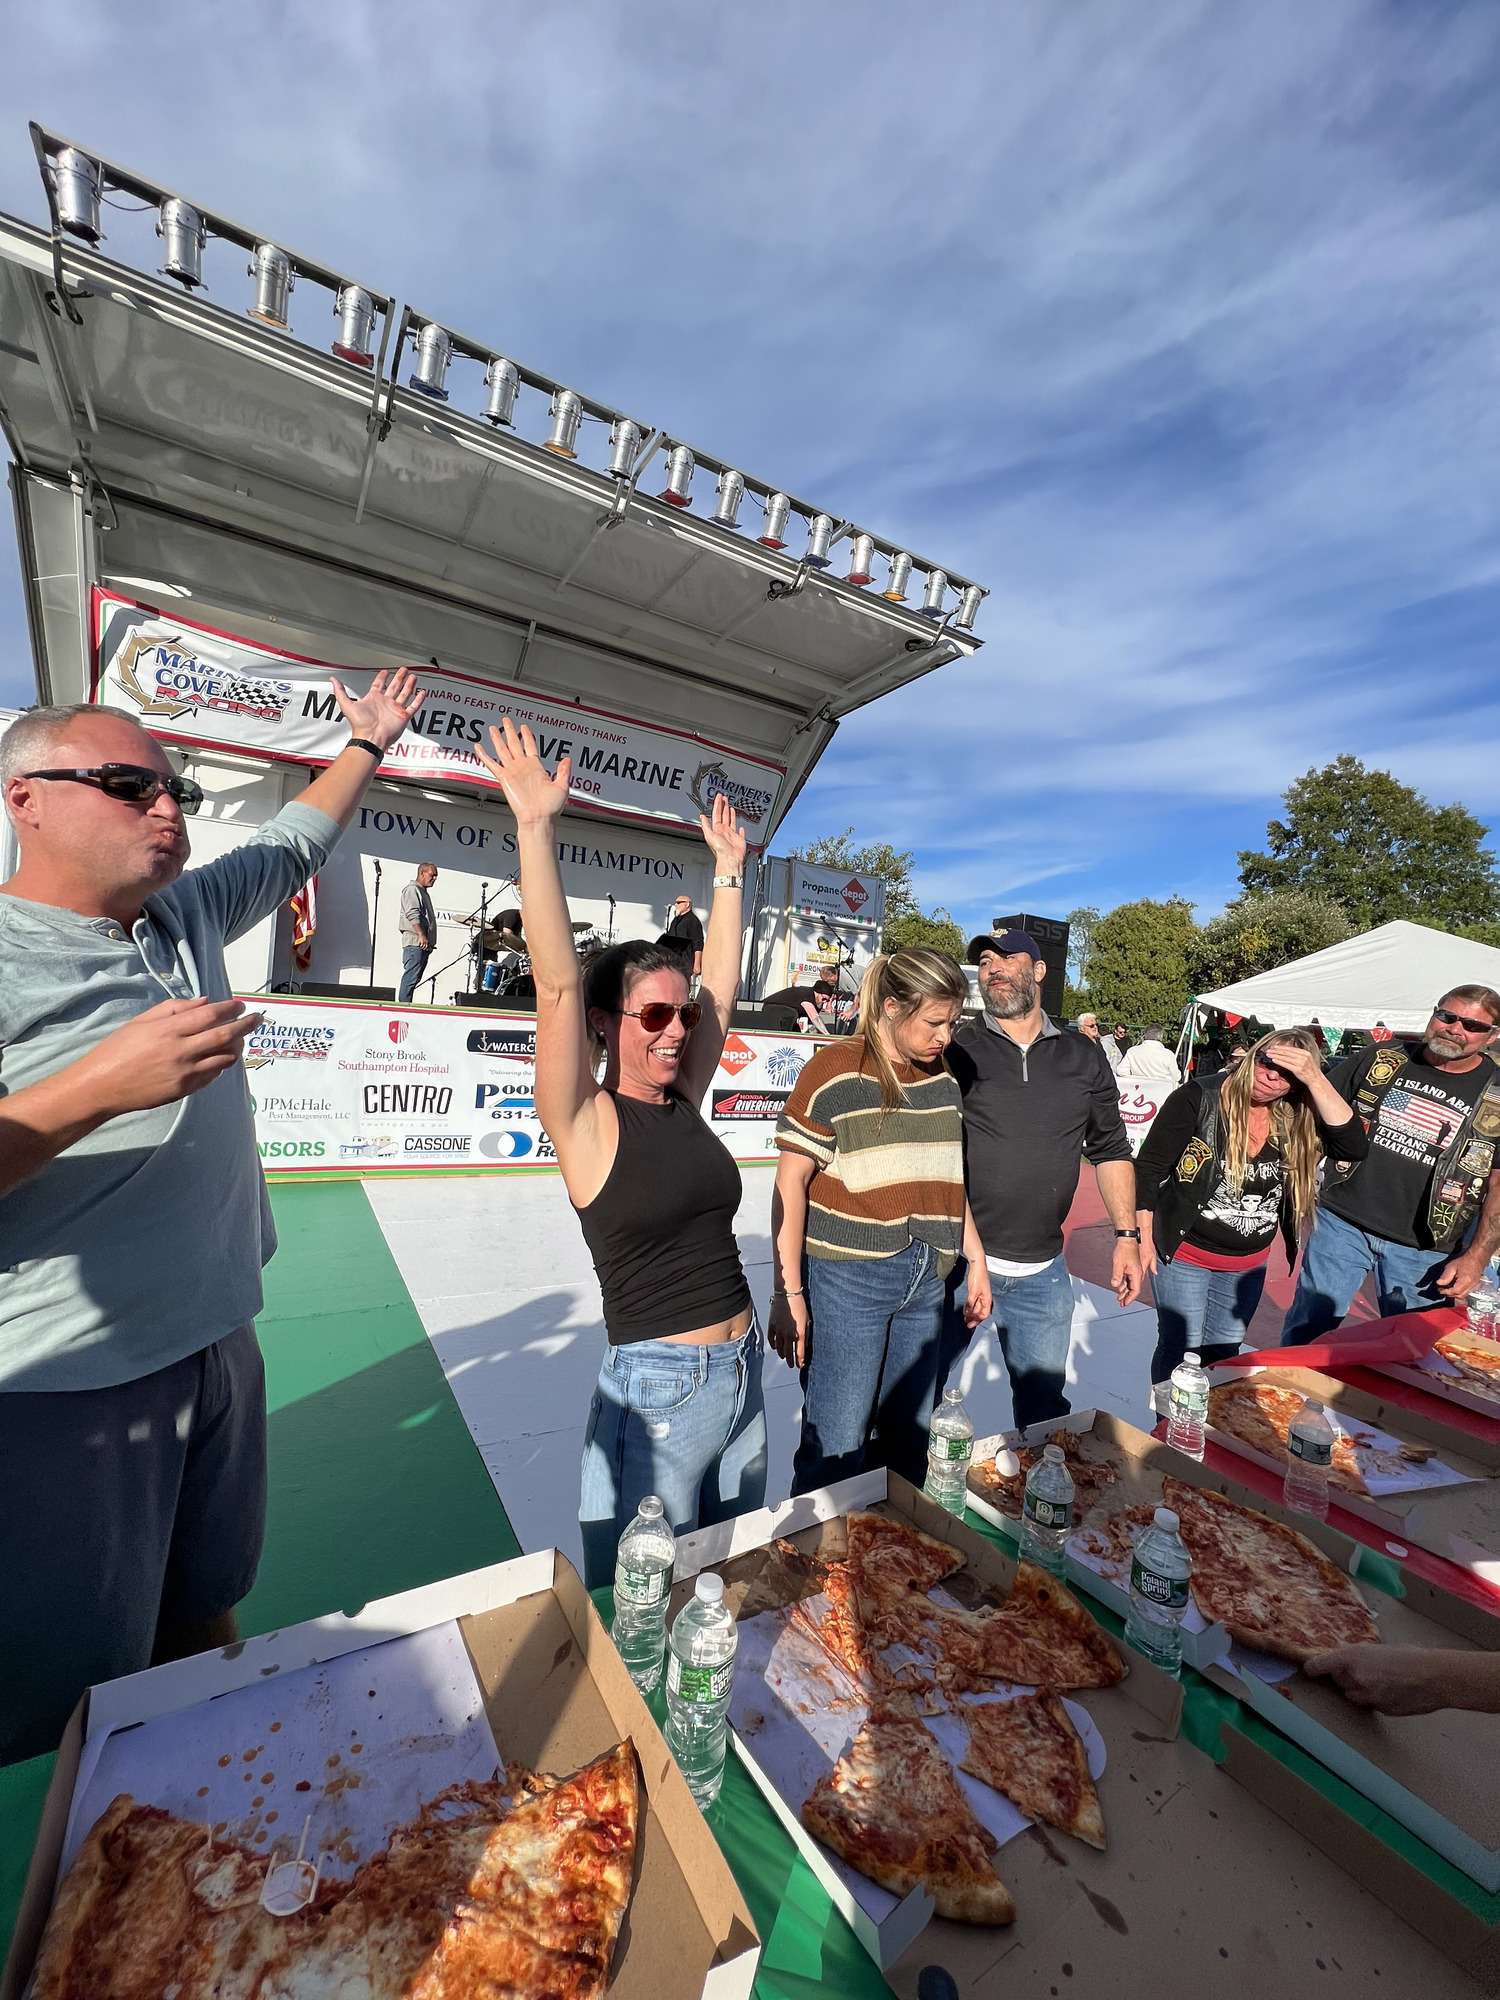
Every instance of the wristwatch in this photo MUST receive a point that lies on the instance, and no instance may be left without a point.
(359, 743)
(1132, 1235)
(729, 881)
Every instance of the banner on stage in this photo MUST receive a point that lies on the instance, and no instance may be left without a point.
(193, 685)
(837, 894)
(340, 1087)
(1140, 1100)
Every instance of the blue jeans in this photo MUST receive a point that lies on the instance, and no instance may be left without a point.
(1208, 1311)
(867, 1389)
(414, 959)
(686, 1423)
(1336, 1262)
(1034, 1318)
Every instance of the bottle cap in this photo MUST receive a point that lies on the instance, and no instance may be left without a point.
(709, 1588)
(650, 1508)
(1194, 1356)
(1308, 1404)
(1053, 1453)
(1165, 1518)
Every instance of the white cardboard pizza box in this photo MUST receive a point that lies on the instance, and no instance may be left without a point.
(556, 1695)
(1146, 1707)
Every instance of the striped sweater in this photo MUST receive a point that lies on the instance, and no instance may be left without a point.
(885, 1178)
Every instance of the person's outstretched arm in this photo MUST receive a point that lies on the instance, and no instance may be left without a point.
(1411, 1680)
(721, 953)
(566, 1093)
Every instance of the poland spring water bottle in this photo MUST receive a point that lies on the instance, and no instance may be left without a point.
(1047, 1510)
(643, 1581)
(950, 1446)
(1159, 1573)
(700, 1676)
(1309, 1447)
(1187, 1406)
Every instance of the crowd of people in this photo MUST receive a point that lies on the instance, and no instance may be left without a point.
(927, 1165)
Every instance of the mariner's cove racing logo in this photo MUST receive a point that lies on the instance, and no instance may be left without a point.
(166, 678)
(712, 780)
(279, 1041)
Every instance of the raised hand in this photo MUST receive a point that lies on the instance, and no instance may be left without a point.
(531, 791)
(725, 836)
(380, 716)
(1295, 1060)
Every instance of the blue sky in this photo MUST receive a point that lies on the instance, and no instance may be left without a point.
(1178, 325)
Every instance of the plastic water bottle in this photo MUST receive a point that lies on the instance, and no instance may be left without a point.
(1309, 1448)
(643, 1582)
(1187, 1406)
(1047, 1510)
(950, 1446)
(700, 1676)
(1483, 1311)
(1159, 1573)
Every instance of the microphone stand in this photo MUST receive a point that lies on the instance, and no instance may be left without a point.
(374, 916)
(611, 938)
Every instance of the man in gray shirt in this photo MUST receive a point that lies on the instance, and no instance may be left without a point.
(418, 930)
(133, 1214)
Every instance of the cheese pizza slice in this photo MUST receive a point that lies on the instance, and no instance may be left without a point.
(1028, 1749)
(889, 1558)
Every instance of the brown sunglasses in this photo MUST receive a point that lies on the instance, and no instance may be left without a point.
(659, 1014)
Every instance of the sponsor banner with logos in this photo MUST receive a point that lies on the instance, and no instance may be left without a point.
(340, 1087)
(1140, 1100)
(837, 894)
(191, 684)
(814, 946)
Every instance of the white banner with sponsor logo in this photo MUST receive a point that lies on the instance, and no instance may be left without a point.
(1140, 1100)
(837, 894)
(339, 1087)
(191, 684)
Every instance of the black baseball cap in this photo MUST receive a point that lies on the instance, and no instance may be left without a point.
(1007, 944)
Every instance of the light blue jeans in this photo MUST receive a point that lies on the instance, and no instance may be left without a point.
(1336, 1262)
(683, 1422)
(1207, 1311)
(867, 1389)
(1034, 1318)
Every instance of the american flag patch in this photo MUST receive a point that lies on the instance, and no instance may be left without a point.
(1405, 1111)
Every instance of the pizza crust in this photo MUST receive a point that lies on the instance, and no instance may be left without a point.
(1028, 1749)
(1260, 1414)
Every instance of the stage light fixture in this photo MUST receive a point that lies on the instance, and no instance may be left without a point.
(180, 227)
(731, 494)
(900, 576)
(681, 466)
(434, 352)
(502, 383)
(272, 271)
(778, 512)
(567, 415)
(356, 317)
(860, 565)
(75, 179)
(624, 444)
(937, 590)
(819, 535)
(968, 607)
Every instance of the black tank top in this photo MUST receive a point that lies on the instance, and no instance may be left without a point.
(661, 1229)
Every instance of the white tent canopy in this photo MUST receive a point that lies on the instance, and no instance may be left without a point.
(1395, 973)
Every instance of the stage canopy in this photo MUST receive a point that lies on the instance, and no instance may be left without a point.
(1395, 974)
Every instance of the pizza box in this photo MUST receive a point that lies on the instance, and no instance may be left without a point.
(1458, 1520)
(1143, 1710)
(551, 1688)
(1435, 1376)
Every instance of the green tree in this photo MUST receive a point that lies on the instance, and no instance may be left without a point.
(1377, 848)
(936, 930)
(1480, 933)
(1138, 961)
(1080, 941)
(1259, 932)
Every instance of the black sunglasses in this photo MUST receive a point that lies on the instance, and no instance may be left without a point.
(1264, 1061)
(1462, 1021)
(136, 784)
(659, 1014)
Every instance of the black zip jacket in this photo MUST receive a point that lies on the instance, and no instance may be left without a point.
(1031, 1116)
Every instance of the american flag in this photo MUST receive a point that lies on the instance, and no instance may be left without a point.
(1408, 1112)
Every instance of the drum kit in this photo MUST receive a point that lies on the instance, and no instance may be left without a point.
(502, 965)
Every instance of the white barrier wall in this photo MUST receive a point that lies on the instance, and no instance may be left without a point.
(340, 1087)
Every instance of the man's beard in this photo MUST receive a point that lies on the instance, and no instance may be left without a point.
(1008, 1000)
(1444, 1047)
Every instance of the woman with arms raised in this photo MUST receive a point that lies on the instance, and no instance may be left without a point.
(677, 1409)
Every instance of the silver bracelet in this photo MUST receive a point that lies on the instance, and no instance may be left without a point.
(788, 1295)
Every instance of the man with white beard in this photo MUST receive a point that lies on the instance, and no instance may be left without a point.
(1036, 1103)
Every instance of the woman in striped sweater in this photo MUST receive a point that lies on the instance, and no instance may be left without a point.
(868, 1220)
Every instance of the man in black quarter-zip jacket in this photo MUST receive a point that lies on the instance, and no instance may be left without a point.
(1037, 1103)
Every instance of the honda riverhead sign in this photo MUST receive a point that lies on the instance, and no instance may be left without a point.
(193, 685)
(341, 1087)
